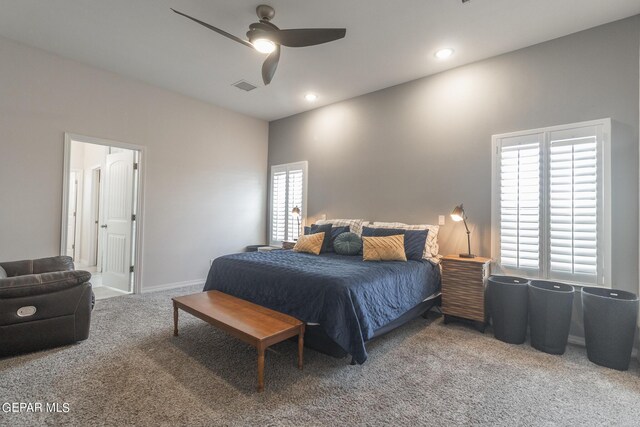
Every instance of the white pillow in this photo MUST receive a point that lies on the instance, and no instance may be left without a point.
(355, 225)
(431, 247)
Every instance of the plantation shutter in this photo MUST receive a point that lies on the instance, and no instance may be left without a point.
(573, 204)
(279, 205)
(295, 186)
(519, 182)
(551, 203)
(288, 190)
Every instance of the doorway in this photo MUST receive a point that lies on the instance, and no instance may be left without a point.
(102, 211)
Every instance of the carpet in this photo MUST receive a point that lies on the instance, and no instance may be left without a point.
(132, 371)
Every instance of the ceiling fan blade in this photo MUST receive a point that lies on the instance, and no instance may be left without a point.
(269, 66)
(306, 36)
(217, 30)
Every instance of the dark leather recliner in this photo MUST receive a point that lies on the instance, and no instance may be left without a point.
(43, 303)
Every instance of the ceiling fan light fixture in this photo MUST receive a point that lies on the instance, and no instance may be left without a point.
(444, 53)
(263, 45)
(267, 38)
(311, 97)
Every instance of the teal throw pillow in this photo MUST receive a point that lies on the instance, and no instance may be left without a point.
(347, 244)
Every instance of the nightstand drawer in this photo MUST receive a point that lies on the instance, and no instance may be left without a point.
(463, 299)
(463, 285)
(459, 308)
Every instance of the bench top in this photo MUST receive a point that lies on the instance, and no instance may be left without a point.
(251, 321)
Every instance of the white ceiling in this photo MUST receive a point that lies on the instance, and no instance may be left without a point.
(387, 42)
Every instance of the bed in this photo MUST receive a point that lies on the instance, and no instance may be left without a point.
(344, 300)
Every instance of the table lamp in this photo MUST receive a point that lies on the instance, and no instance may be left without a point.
(296, 214)
(458, 215)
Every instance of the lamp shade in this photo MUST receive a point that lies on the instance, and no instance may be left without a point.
(295, 211)
(458, 214)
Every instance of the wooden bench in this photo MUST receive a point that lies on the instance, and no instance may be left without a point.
(253, 324)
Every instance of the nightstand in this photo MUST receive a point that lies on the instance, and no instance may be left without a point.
(463, 284)
(287, 244)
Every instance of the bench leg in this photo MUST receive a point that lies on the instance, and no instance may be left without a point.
(175, 320)
(260, 369)
(300, 348)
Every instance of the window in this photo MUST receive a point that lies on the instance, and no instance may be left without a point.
(551, 203)
(288, 190)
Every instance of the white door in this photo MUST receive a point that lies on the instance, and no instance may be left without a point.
(118, 208)
(73, 214)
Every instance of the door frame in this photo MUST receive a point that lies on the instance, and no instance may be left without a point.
(79, 190)
(95, 211)
(138, 247)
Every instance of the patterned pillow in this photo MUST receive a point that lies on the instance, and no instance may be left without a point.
(326, 229)
(334, 232)
(431, 248)
(390, 248)
(414, 240)
(347, 244)
(311, 243)
(355, 225)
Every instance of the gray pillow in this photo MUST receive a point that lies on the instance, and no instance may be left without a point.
(3, 274)
(347, 244)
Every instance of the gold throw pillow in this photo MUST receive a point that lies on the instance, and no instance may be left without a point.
(310, 243)
(390, 248)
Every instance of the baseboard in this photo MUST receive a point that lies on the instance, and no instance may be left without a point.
(174, 285)
(576, 340)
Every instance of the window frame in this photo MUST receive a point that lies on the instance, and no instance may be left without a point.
(304, 165)
(603, 278)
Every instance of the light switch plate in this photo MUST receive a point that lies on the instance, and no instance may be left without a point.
(440, 219)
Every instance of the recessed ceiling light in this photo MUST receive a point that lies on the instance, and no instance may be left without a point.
(444, 53)
(311, 97)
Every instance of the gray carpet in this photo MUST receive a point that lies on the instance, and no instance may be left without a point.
(132, 371)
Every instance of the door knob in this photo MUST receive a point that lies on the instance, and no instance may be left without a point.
(103, 226)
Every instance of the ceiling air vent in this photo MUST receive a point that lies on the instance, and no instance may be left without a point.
(246, 86)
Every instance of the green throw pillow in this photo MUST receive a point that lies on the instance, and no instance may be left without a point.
(347, 244)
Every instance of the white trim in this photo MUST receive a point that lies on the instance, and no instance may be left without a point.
(79, 214)
(603, 125)
(139, 235)
(287, 166)
(95, 194)
(174, 285)
(576, 340)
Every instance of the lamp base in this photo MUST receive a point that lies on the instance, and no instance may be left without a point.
(466, 255)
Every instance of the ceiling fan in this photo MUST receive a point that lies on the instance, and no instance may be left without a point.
(265, 37)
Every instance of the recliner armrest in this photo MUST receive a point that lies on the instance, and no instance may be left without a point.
(38, 284)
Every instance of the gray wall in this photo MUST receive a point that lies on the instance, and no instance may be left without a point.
(206, 166)
(413, 151)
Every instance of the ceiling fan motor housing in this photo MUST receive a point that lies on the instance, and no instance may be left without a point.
(265, 12)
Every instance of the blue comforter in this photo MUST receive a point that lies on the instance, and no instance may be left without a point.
(349, 298)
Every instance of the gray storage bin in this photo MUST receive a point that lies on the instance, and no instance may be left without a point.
(507, 301)
(550, 306)
(610, 318)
